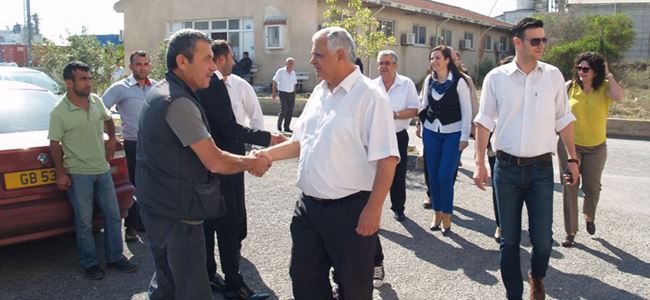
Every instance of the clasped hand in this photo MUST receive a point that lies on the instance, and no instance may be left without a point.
(261, 163)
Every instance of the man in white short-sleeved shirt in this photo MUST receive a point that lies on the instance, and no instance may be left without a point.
(347, 150)
(525, 103)
(284, 84)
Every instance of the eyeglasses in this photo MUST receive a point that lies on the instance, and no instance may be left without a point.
(385, 63)
(583, 69)
(536, 41)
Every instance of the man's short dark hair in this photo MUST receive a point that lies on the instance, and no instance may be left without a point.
(140, 53)
(72, 66)
(526, 23)
(183, 43)
(220, 48)
(246, 53)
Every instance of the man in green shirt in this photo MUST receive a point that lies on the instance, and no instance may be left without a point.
(81, 156)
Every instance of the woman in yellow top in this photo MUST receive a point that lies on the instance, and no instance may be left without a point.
(590, 92)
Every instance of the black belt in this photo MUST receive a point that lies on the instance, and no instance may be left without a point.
(351, 196)
(288, 92)
(524, 161)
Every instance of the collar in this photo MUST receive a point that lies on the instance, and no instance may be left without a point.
(512, 67)
(348, 82)
(72, 107)
(131, 81)
(218, 74)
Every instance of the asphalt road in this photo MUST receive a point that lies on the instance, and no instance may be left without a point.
(613, 264)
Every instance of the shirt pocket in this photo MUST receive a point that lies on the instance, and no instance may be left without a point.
(544, 103)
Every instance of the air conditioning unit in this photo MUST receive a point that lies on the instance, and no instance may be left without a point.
(407, 38)
(465, 44)
(436, 40)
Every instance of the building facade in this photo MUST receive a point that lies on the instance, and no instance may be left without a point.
(270, 31)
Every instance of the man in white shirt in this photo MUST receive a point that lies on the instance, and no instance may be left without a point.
(525, 103)
(404, 101)
(284, 82)
(348, 151)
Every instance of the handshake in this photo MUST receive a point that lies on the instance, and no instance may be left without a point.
(261, 159)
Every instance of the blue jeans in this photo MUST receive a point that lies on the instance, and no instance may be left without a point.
(516, 185)
(442, 162)
(84, 191)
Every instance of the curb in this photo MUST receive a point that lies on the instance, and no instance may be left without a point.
(616, 128)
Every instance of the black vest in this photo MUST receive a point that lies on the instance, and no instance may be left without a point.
(172, 181)
(446, 110)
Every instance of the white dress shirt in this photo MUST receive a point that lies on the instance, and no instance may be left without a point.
(286, 81)
(245, 105)
(527, 110)
(465, 123)
(402, 95)
(343, 132)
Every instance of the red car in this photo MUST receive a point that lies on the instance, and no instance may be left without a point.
(31, 207)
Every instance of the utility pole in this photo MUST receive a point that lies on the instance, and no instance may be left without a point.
(28, 25)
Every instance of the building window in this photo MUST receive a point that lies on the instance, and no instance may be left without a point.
(446, 36)
(420, 33)
(503, 44)
(468, 41)
(273, 38)
(388, 27)
(488, 42)
(238, 32)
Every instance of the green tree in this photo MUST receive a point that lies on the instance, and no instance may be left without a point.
(160, 62)
(364, 28)
(85, 48)
(610, 35)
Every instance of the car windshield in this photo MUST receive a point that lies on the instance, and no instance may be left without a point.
(25, 110)
(30, 76)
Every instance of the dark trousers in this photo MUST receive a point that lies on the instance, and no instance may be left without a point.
(231, 230)
(324, 235)
(379, 254)
(178, 250)
(426, 171)
(398, 188)
(132, 220)
(287, 102)
(491, 161)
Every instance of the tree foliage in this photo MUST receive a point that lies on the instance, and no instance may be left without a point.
(571, 35)
(159, 61)
(364, 28)
(85, 48)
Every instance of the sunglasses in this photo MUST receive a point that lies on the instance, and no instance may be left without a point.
(537, 41)
(583, 69)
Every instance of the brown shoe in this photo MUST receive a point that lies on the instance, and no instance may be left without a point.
(568, 241)
(536, 288)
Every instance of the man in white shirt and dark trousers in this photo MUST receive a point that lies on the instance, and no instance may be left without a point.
(348, 151)
(525, 103)
(404, 101)
(285, 81)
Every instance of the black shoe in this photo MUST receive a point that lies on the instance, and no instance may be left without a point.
(94, 272)
(245, 293)
(446, 231)
(434, 227)
(399, 216)
(591, 228)
(123, 265)
(130, 235)
(288, 130)
(217, 283)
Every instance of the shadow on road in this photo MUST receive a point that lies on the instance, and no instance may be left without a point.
(623, 261)
(474, 261)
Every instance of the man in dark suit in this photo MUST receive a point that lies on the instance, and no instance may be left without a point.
(230, 136)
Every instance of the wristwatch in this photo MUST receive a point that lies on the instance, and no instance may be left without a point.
(574, 160)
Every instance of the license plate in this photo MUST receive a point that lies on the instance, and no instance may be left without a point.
(17, 180)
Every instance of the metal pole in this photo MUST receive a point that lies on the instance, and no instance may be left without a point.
(28, 22)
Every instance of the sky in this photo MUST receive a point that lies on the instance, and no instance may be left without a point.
(60, 17)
